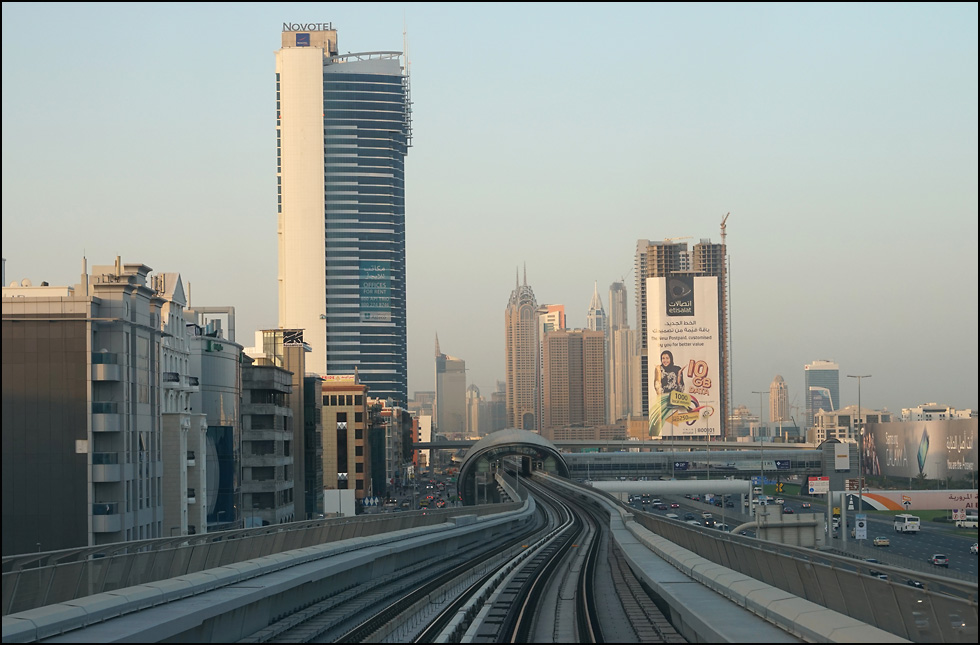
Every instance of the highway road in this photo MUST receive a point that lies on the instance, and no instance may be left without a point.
(934, 538)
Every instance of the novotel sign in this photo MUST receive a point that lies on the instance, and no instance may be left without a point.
(307, 26)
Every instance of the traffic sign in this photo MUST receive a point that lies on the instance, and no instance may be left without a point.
(819, 485)
(779, 487)
(861, 526)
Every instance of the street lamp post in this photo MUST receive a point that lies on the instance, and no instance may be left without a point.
(762, 443)
(860, 444)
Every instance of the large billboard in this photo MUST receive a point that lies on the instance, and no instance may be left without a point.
(682, 340)
(933, 449)
(375, 291)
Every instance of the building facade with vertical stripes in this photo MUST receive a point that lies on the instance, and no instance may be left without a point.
(343, 129)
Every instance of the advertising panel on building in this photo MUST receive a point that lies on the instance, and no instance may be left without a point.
(932, 449)
(682, 330)
(375, 291)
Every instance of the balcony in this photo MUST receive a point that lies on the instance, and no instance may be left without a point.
(170, 380)
(106, 518)
(106, 417)
(191, 458)
(191, 496)
(106, 372)
(105, 467)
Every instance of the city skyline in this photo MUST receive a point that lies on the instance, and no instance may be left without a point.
(843, 140)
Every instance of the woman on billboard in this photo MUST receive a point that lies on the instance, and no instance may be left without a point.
(667, 378)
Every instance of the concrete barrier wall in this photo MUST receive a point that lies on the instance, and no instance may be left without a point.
(672, 543)
(137, 613)
(35, 580)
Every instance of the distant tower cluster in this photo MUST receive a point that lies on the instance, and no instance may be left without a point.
(521, 357)
(822, 384)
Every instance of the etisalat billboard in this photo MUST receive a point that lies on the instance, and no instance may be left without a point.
(933, 449)
(682, 344)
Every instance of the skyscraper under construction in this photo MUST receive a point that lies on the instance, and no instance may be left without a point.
(666, 259)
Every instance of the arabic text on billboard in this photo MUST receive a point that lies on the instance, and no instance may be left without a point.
(682, 337)
(375, 291)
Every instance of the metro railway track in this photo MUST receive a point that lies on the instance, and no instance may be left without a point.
(498, 604)
(356, 613)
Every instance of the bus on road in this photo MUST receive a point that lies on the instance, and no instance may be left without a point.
(905, 523)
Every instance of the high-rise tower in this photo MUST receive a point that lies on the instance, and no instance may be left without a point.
(343, 129)
(822, 384)
(522, 357)
(596, 320)
(450, 404)
(620, 357)
(574, 379)
(778, 400)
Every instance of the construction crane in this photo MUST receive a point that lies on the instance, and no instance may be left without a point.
(725, 219)
(671, 239)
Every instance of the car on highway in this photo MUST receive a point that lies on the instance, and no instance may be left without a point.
(788, 510)
(973, 548)
(914, 583)
(672, 516)
(939, 560)
(694, 522)
(805, 505)
(688, 516)
(675, 505)
(661, 506)
(881, 541)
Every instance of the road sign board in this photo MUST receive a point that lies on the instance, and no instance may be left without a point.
(861, 526)
(819, 485)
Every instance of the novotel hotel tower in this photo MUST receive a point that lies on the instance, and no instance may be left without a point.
(343, 128)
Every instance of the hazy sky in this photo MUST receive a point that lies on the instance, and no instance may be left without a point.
(842, 139)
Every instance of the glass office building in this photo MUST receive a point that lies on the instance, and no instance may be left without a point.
(822, 385)
(343, 125)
